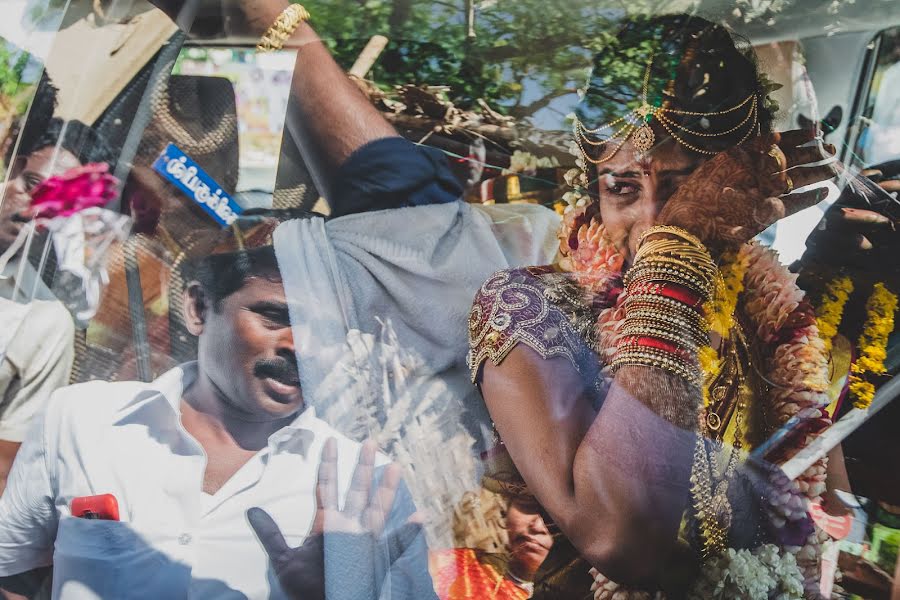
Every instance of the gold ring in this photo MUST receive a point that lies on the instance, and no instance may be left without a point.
(790, 184)
(776, 153)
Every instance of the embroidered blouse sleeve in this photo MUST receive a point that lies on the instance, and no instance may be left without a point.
(514, 307)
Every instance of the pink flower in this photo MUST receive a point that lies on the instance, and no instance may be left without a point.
(588, 253)
(73, 191)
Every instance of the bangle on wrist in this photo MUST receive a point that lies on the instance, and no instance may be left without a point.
(283, 27)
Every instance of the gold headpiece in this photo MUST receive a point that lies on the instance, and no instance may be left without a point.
(636, 125)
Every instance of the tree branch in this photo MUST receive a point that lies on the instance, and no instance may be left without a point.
(531, 108)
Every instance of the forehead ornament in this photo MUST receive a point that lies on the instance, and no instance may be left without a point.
(635, 125)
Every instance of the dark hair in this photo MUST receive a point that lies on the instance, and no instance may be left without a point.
(221, 275)
(696, 66)
(81, 140)
(35, 123)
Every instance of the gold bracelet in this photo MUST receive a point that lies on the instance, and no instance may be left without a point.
(675, 248)
(672, 230)
(672, 249)
(655, 299)
(283, 28)
(688, 265)
(668, 305)
(649, 357)
(685, 329)
(687, 342)
(649, 317)
(661, 313)
(651, 263)
(671, 274)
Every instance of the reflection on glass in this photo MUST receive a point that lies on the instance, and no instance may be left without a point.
(641, 402)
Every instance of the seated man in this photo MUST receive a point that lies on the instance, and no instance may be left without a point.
(35, 361)
(186, 456)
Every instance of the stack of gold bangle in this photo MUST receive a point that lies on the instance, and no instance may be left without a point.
(660, 359)
(661, 331)
(683, 260)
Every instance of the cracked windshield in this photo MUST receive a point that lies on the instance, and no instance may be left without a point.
(449, 299)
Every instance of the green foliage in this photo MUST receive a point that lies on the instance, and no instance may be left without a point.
(523, 54)
(13, 89)
(517, 45)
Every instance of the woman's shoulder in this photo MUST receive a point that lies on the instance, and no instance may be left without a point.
(540, 307)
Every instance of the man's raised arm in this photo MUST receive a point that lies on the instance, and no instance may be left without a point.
(329, 117)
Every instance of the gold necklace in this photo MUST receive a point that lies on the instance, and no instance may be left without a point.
(709, 492)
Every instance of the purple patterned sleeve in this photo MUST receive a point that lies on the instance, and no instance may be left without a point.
(535, 306)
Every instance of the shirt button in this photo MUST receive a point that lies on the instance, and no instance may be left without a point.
(184, 539)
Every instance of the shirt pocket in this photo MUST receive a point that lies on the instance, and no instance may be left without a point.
(92, 556)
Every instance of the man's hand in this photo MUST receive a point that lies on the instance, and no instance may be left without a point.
(858, 236)
(355, 531)
(739, 193)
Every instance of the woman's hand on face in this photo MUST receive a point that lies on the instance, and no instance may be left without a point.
(739, 193)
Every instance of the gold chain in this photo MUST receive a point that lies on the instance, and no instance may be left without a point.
(662, 117)
(644, 138)
(713, 504)
(712, 152)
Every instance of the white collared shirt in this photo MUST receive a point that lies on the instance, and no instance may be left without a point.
(36, 354)
(172, 540)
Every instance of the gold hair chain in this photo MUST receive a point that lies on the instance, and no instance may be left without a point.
(636, 125)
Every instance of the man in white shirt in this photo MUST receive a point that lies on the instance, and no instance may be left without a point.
(187, 456)
(36, 330)
(400, 257)
(37, 353)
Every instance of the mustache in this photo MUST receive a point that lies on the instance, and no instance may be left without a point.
(280, 369)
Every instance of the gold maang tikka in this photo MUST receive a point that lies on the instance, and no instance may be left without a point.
(636, 125)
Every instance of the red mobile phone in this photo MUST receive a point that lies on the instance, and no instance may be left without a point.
(103, 506)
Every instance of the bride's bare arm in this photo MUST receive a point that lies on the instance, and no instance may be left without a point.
(615, 482)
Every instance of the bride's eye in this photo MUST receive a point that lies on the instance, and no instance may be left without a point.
(618, 187)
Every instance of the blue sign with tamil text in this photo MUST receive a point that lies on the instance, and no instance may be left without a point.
(177, 167)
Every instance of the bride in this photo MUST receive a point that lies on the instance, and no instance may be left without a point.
(628, 382)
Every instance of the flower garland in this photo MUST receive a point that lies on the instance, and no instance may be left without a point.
(756, 574)
(873, 341)
(831, 311)
(720, 309)
(798, 372)
(719, 313)
(526, 162)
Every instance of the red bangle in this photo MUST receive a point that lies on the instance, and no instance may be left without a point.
(669, 290)
(682, 294)
(658, 344)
